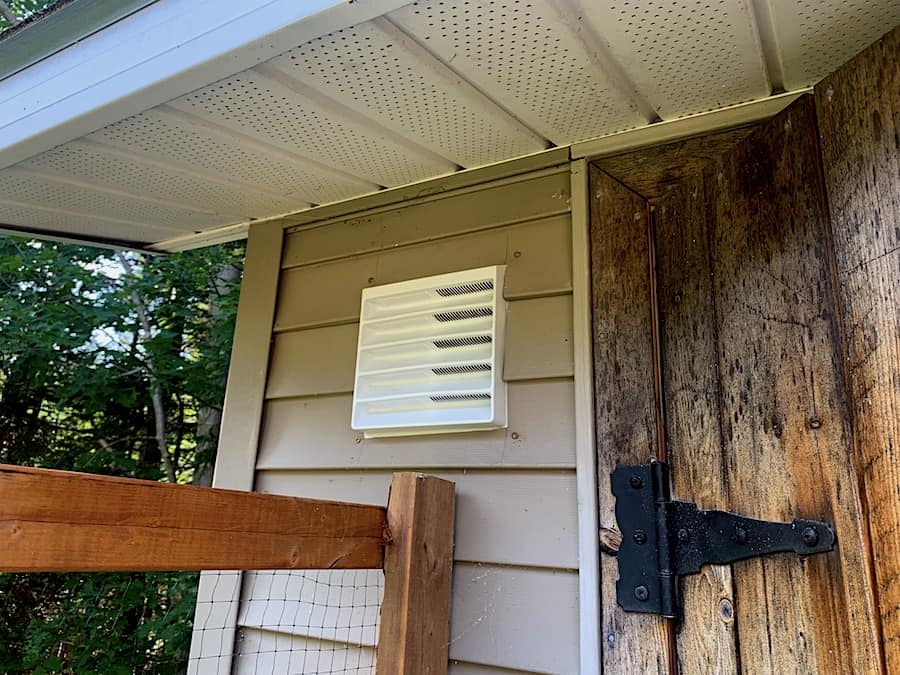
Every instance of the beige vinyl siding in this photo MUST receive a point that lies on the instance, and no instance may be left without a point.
(515, 596)
(313, 432)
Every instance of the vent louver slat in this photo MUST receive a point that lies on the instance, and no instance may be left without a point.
(464, 289)
(455, 370)
(463, 314)
(449, 343)
(428, 355)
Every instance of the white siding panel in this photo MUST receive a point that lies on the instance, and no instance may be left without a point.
(508, 517)
(314, 433)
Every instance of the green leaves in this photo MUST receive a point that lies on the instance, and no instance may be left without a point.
(76, 375)
(97, 623)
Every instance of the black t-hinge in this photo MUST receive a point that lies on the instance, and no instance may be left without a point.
(662, 539)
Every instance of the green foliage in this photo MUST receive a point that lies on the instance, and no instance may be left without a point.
(96, 623)
(23, 8)
(77, 369)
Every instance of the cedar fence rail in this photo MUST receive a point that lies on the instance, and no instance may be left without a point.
(60, 521)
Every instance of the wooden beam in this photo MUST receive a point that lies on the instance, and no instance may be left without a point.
(859, 124)
(59, 521)
(418, 565)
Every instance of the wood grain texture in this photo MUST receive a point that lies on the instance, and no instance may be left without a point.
(859, 126)
(625, 407)
(59, 521)
(783, 412)
(418, 565)
(691, 392)
(651, 172)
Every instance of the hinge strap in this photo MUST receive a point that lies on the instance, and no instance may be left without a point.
(662, 539)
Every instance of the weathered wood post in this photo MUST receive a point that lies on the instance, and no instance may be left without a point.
(418, 566)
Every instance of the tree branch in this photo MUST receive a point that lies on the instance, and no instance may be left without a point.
(8, 14)
(159, 411)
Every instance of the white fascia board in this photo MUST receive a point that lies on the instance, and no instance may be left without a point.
(170, 48)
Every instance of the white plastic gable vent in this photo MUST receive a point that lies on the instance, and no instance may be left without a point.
(430, 355)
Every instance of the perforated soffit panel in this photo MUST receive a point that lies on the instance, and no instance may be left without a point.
(421, 92)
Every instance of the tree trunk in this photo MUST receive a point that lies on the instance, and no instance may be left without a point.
(210, 418)
(156, 394)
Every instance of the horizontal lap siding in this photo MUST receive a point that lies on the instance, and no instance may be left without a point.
(312, 433)
(510, 517)
(538, 256)
(465, 211)
(515, 597)
(319, 361)
(506, 617)
(266, 651)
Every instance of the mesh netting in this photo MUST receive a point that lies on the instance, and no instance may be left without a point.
(311, 621)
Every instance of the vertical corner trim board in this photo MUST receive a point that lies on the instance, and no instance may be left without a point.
(625, 408)
(241, 421)
(859, 126)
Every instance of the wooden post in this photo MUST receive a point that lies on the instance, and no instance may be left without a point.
(59, 521)
(418, 565)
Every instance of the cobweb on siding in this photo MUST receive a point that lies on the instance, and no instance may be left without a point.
(303, 622)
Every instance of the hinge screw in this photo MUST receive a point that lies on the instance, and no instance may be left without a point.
(637, 482)
(683, 535)
(740, 535)
(810, 536)
(641, 593)
(640, 537)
